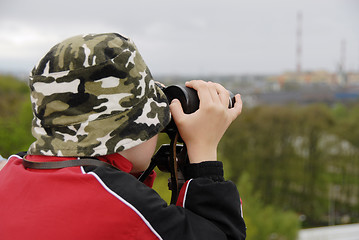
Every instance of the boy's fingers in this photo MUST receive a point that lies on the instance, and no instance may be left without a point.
(237, 109)
(222, 94)
(202, 89)
(194, 83)
(176, 109)
(215, 91)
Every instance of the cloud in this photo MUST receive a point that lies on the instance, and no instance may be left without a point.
(229, 36)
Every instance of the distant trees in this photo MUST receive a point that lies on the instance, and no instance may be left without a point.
(299, 158)
(265, 221)
(15, 116)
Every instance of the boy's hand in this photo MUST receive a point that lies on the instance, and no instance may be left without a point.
(203, 129)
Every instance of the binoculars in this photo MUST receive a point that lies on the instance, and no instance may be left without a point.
(189, 101)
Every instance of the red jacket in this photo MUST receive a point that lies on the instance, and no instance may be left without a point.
(104, 203)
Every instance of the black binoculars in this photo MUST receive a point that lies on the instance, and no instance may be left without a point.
(189, 101)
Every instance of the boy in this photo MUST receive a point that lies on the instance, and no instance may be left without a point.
(94, 97)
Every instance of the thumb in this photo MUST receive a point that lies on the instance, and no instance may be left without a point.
(176, 109)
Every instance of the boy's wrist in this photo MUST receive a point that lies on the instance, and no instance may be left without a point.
(198, 154)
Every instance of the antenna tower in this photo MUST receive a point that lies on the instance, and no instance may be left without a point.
(299, 42)
(342, 55)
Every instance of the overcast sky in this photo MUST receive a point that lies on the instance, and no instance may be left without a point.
(190, 37)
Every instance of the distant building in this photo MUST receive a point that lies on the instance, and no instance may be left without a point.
(286, 88)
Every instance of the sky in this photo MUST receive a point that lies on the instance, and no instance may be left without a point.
(191, 37)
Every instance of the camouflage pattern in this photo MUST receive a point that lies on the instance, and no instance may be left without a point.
(94, 95)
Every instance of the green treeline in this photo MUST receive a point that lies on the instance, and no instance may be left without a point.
(303, 159)
(295, 166)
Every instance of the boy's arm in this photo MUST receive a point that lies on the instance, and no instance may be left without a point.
(206, 193)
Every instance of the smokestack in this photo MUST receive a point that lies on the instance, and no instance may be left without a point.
(299, 42)
(342, 75)
(342, 55)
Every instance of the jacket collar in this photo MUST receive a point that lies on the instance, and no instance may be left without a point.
(114, 159)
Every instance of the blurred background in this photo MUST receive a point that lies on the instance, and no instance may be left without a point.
(294, 151)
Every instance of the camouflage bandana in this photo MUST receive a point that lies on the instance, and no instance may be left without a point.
(94, 95)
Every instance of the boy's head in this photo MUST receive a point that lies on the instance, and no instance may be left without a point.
(94, 95)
